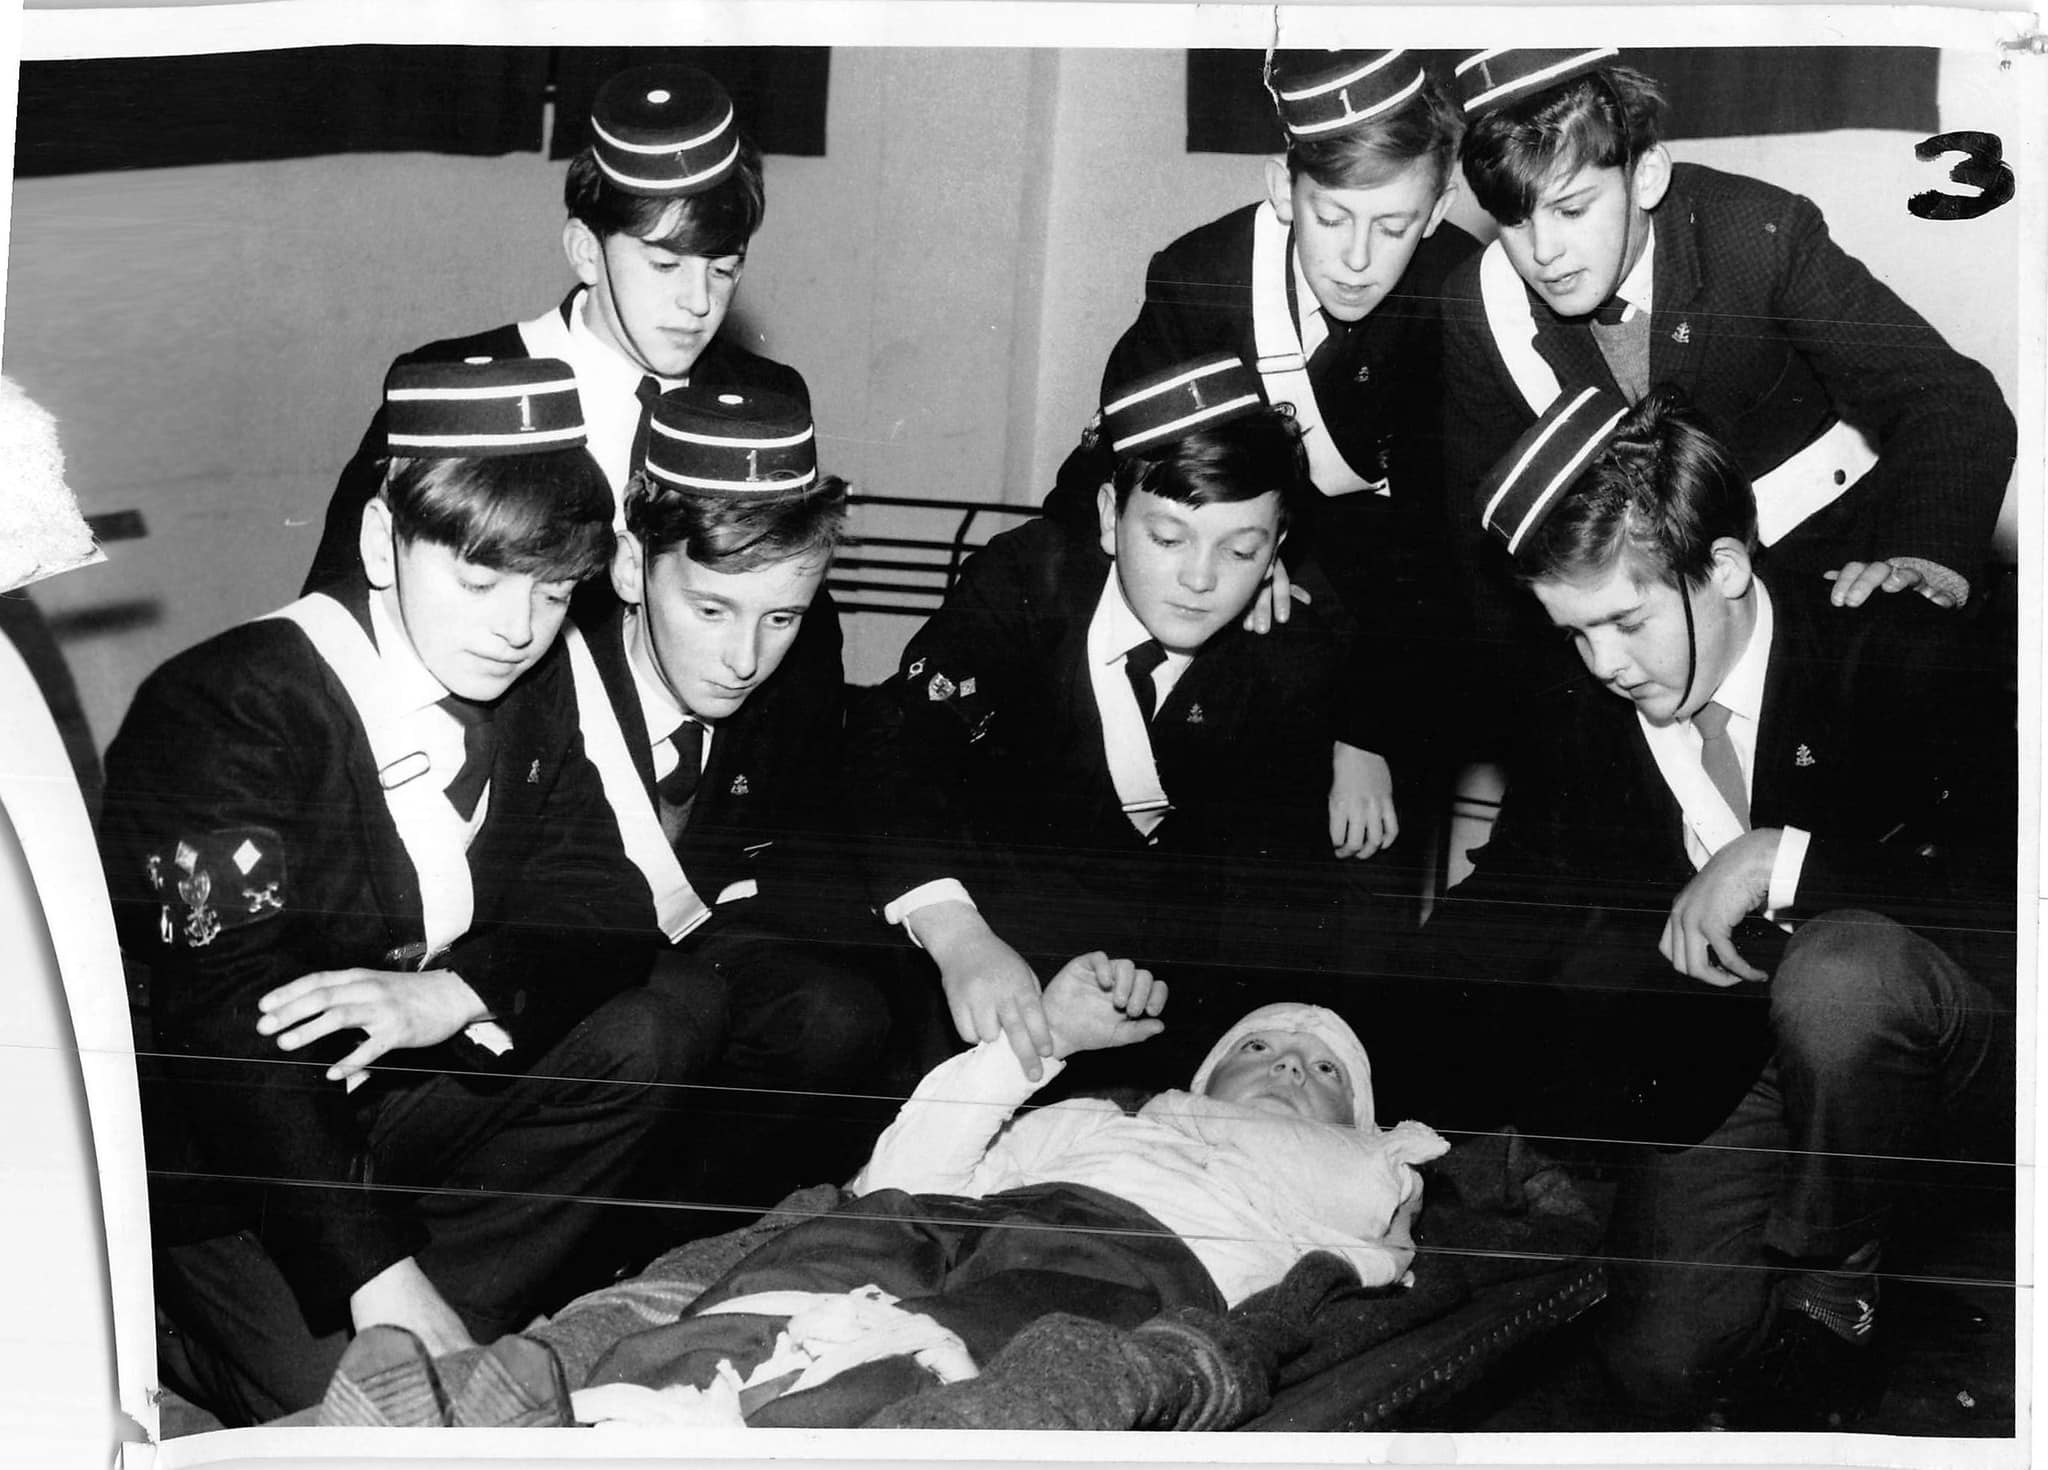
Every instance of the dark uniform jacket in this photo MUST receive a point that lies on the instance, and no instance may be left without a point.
(1774, 332)
(769, 804)
(246, 753)
(1385, 556)
(721, 364)
(1885, 733)
(995, 773)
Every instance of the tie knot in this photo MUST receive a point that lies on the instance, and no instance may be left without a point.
(1612, 311)
(1712, 720)
(469, 713)
(648, 391)
(1146, 657)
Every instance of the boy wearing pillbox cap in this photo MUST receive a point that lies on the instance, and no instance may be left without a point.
(721, 758)
(1087, 741)
(661, 206)
(353, 845)
(1329, 287)
(1879, 455)
(1742, 761)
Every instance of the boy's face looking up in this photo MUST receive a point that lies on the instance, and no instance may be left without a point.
(714, 637)
(1189, 571)
(1586, 231)
(657, 307)
(1354, 243)
(1630, 630)
(475, 628)
(1285, 1072)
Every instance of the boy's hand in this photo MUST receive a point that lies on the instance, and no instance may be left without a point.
(401, 1296)
(395, 1009)
(1095, 1002)
(990, 990)
(1275, 600)
(1857, 580)
(1733, 884)
(1362, 816)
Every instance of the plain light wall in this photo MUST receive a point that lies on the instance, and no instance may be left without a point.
(949, 278)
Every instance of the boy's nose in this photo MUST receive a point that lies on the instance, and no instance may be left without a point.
(693, 289)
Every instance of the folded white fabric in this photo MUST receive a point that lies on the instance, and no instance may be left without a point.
(830, 1332)
(41, 530)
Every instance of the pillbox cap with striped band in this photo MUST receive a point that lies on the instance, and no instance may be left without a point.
(1486, 80)
(1202, 393)
(664, 131)
(481, 407)
(1533, 476)
(1321, 93)
(738, 441)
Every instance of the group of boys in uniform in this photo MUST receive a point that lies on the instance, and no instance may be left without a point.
(555, 874)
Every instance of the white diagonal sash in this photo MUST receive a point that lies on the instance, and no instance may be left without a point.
(1283, 366)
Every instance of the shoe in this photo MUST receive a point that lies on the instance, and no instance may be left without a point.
(1803, 1376)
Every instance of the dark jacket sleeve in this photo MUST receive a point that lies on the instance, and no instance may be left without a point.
(1946, 440)
(215, 758)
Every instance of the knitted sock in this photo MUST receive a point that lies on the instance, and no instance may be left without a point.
(1844, 1299)
(516, 1384)
(385, 1378)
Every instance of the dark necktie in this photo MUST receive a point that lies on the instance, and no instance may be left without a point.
(647, 392)
(478, 749)
(675, 790)
(1717, 757)
(1330, 363)
(1138, 666)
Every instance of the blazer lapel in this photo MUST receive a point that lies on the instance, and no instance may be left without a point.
(1679, 331)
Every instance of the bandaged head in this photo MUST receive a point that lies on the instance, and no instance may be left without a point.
(1295, 1018)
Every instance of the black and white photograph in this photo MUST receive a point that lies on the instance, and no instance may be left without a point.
(729, 723)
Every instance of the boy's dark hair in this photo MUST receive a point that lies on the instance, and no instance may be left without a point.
(737, 533)
(1657, 497)
(718, 222)
(1606, 119)
(1426, 126)
(548, 514)
(1241, 459)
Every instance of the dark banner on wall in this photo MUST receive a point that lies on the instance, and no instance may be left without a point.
(1714, 92)
(166, 111)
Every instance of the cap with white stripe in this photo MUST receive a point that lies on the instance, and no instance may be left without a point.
(1319, 93)
(1487, 80)
(664, 130)
(481, 407)
(736, 441)
(1202, 393)
(1533, 476)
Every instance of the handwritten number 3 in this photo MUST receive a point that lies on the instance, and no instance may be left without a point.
(1984, 170)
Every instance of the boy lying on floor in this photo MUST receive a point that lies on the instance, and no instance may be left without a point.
(963, 1232)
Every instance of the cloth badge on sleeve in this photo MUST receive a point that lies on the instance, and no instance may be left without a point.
(210, 882)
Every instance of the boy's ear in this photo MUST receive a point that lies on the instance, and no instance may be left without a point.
(584, 249)
(1652, 177)
(629, 569)
(1732, 573)
(378, 543)
(1280, 188)
(1443, 202)
(1105, 516)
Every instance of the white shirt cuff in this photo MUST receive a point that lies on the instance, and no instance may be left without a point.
(1786, 867)
(939, 890)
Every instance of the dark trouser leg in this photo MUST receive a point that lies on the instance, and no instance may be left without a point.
(239, 1346)
(516, 1168)
(794, 1097)
(1877, 1035)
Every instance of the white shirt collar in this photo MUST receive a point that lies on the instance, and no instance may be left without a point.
(1742, 689)
(662, 711)
(412, 687)
(1639, 286)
